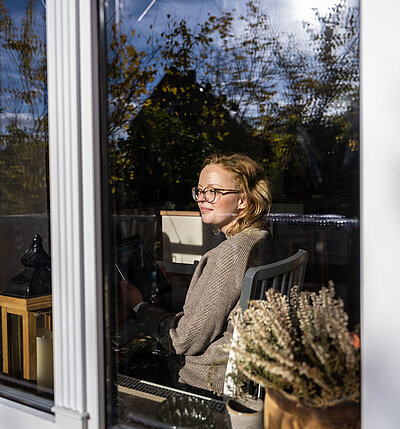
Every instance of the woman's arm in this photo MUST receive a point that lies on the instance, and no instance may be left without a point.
(213, 292)
(211, 298)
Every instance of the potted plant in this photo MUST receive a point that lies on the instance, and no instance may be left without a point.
(300, 350)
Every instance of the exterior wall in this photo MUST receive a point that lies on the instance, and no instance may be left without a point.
(380, 204)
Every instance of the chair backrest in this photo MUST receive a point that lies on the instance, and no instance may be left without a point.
(281, 276)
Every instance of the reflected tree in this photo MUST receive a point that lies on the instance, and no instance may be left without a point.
(234, 84)
(23, 112)
(315, 136)
(213, 89)
(229, 83)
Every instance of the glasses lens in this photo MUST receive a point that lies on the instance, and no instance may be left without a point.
(195, 193)
(210, 195)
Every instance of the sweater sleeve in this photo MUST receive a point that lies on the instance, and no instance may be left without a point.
(211, 298)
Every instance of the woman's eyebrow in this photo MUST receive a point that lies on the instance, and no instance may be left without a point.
(210, 185)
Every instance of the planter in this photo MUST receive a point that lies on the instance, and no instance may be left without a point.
(245, 413)
(282, 412)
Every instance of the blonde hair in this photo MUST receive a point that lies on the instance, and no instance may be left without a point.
(249, 177)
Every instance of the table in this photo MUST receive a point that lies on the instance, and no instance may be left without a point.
(138, 402)
(28, 309)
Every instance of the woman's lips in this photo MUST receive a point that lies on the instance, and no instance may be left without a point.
(205, 210)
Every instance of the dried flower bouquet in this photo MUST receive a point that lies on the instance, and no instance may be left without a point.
(299, 345)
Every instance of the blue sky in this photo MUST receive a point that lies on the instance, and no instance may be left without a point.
(16, 10)
(285, 15)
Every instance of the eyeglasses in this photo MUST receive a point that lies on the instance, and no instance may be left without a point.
(209, 194)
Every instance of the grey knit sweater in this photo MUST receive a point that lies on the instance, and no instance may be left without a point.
(204, 325)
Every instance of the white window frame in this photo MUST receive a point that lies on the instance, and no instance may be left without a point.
(72, 35)
(380, 214)
(75, 198)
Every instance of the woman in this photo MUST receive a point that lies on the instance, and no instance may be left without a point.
(234, 197)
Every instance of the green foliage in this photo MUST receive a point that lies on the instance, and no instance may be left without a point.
(25, 49)
(262, 94)
(317, 118)
(209, 88)
(129, 76)
(159, 167)
(23, 175)
(23, 147)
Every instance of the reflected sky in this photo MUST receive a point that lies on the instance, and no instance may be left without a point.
(283, 19)
(10, 75)
(286, 15)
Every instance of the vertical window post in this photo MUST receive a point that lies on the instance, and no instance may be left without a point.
(76, 249)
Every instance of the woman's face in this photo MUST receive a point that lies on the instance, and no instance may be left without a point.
(222, 212)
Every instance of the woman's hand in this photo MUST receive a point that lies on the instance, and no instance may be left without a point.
(130, 295)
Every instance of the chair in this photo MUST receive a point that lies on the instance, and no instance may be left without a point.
(281, 276)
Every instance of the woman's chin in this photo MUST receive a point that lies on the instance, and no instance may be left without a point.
(207, 220)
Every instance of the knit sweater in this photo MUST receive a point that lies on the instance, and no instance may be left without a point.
(204, 325)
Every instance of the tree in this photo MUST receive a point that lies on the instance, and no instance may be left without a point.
(23, 92)
(315, 135)
(193, 90)
(204, 93)
(253, 91)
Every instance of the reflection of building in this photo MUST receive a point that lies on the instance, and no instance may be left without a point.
(179, 124)
(205, 112)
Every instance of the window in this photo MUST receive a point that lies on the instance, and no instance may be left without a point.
(26, 372)
(183, 84)
(380, 111)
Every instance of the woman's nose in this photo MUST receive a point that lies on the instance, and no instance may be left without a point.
(200, 197)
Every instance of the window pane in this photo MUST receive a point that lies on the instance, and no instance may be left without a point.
(277, 83)
(26, 371)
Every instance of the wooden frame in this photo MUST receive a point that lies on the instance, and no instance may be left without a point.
(27, 309)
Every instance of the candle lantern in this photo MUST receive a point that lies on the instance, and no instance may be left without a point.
(35, 279)
(26, 297)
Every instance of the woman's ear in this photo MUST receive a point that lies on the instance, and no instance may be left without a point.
(242, 203)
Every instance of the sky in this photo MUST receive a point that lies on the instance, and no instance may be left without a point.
(285, 15)
(289, 14)
(16, 10)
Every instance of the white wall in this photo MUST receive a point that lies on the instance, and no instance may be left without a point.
(380, 68)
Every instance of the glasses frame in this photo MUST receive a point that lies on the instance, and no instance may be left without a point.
(221, 191)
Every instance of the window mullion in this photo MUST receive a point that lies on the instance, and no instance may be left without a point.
(75, 249)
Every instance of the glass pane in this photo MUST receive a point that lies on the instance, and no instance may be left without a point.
(276, 81)
(26, 369)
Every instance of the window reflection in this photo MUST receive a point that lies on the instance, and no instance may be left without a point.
(25, 281)
(183, 84)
